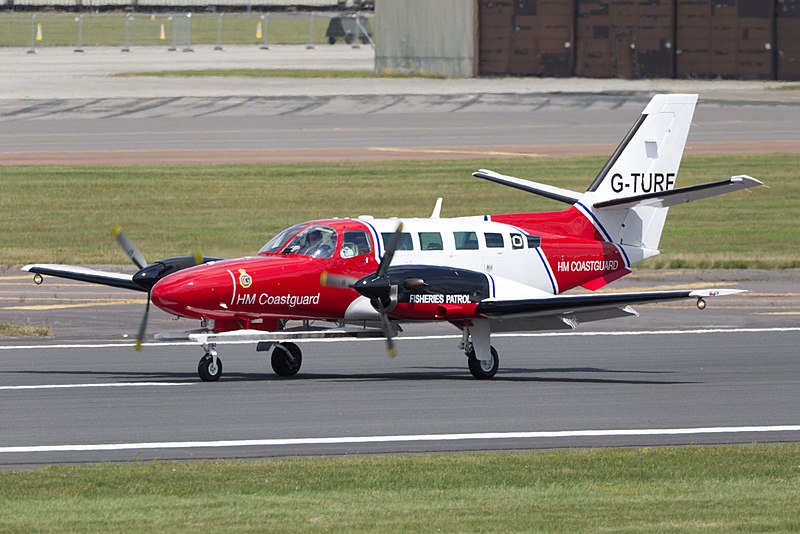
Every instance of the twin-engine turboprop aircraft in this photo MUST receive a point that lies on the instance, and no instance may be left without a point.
(365, 277)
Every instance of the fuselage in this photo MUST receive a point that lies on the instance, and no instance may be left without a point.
(283, 281)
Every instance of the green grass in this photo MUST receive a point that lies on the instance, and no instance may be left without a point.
(108, 29)
(752, 488)
(65, 214)
(24, 330)
(276, 73)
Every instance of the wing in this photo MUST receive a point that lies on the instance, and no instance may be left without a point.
(569, 310)
(253, 336)
(84, 274)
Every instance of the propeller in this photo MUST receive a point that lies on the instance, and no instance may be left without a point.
(130, 249)
(377, 287)
(148, 274)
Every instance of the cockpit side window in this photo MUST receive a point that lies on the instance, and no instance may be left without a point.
(356, 243)
(276, 243)
(315, 241)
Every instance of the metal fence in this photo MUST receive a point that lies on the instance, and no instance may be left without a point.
(195, 5)
(182, 31)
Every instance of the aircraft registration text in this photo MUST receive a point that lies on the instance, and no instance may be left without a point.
(643, 182)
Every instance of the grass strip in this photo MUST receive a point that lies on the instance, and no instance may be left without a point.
(65, 214)
(748, 488)
(25, 330)
(274, 73)
(144, 29)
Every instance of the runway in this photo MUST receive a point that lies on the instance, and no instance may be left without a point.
(367, 127)
(675, 375)
(109, 403)
(58, 108)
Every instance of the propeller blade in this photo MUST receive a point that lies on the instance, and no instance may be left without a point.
(143, 325)
(198, 257)
(388, 331)
(337, 280)
(130, 249)
(390, 249)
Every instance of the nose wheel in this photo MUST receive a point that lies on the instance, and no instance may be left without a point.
(210, 367)
(286, 359)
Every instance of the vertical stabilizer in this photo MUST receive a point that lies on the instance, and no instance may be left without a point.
(646, 161)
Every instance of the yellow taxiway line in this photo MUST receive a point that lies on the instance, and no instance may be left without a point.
(91, 304)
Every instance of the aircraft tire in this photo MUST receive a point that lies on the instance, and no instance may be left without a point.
(286, 359)
(206, 370)
(480, 369)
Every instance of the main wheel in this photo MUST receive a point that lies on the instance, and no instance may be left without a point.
(207, 370)
(331, 40)
(286, 359)
(483, 369)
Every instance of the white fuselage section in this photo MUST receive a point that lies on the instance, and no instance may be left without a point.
(511, 257)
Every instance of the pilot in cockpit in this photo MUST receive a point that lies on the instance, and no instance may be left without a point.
(315, 245)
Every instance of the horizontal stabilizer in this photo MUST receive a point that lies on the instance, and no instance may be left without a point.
(681, 195)
(547, 191)
(83, 274)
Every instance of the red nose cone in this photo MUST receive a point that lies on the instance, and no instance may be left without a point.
(170, 293)
(193, 292)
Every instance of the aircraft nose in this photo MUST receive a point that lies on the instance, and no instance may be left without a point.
(168, 293)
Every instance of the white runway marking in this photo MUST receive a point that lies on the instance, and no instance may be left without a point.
(423, 338)
(109, 385)
(395, 439)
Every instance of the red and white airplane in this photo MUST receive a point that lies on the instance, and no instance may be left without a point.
(365, 277)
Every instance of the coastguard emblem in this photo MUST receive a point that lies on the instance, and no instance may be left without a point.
(245, 280)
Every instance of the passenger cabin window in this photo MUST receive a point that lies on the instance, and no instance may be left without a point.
(405, 240)
(355, 243)
(466, 240)
(534, 241)
(314, 241)
(430, 241)
(517, 242)
(494, 240)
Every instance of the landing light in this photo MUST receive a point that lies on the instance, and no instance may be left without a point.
(701, 304)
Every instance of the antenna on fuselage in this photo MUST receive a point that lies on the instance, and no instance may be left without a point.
(437, 209)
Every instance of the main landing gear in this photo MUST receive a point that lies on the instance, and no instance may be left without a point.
(483, 369)
(482, 358)
(286, 360)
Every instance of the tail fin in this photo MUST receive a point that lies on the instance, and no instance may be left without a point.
(646, 161)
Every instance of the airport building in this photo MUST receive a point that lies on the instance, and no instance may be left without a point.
(708, 39)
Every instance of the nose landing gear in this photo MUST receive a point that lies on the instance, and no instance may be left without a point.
(210, 366)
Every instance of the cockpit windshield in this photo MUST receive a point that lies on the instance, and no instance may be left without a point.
(315, 241)
(276, 243)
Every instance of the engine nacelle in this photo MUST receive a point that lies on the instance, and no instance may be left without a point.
(425, 292)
